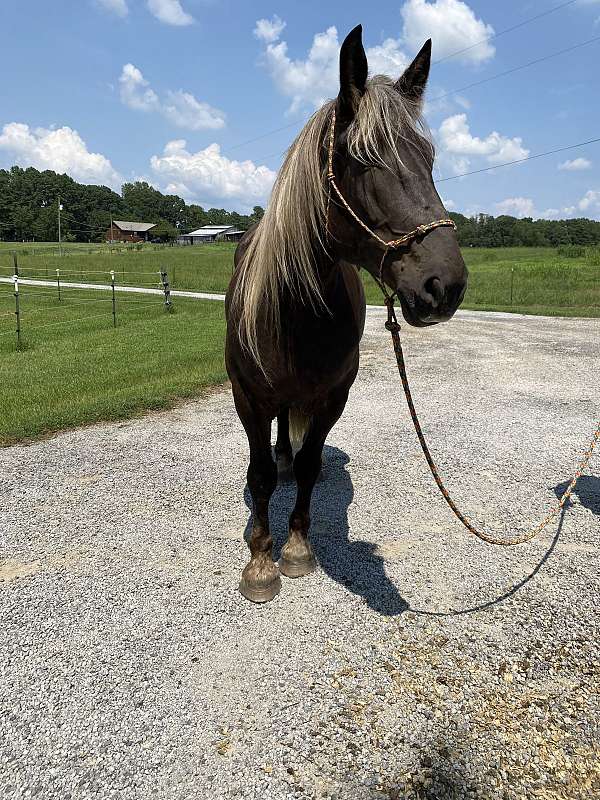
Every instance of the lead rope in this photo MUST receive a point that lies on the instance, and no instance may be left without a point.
(394, 328)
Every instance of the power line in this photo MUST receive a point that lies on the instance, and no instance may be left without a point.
(458, 52)
(472, 85)
(267, 134)
(516, 69)
(520, 160)
(506, 30)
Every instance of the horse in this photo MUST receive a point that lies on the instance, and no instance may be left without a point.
(357, 178)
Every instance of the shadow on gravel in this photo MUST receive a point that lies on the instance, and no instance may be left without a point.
(509, 592)
(587, 491)
(353, 564)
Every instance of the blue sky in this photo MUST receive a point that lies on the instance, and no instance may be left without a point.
(171, 91)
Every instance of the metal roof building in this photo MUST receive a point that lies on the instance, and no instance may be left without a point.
(211, 233)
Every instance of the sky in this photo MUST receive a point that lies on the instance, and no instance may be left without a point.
(202, 97)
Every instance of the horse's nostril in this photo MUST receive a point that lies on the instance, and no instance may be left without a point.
(433, 287)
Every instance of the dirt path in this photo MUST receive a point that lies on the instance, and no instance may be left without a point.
(416, 663)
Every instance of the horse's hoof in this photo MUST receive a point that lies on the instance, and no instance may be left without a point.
(297, 561)
(260, 594)
(260, 580)
(297, 569)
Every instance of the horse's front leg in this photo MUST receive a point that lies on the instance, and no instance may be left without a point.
(297, 556)
(260, 579)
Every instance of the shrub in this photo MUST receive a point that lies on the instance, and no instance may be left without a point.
(592, 256)
(571, 251)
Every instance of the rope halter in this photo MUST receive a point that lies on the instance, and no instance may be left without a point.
(418, 233)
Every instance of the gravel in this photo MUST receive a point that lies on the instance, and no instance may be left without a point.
(417, 662)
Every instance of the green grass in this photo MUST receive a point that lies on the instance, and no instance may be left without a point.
(543, 282)
(86, 370)
(198, 268)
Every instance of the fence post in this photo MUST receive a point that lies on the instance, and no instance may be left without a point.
(166, 289)
(114, 305)
(58, 283)
(512, 273)
(17, 308)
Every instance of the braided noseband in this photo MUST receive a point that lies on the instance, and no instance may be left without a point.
(418, 233)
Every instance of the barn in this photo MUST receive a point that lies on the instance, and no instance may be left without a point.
(211, 233)
(122, 231)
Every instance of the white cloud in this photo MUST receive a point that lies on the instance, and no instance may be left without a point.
(269, 30)
(576, 164)
(550, 213)
(170, 12)
(452, 26)
(135, 90)
(586, 206)
(208, 174)
(387, 59)
(185, 111)
(311, 81)
(516, 207)
(590, 201)
(457, 145)
(179, 107)
(118, 7)
(61, 150)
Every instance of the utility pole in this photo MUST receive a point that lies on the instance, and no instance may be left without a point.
(59, 236)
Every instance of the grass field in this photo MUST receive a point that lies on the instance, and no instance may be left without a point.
(74, 368)
(85, 370)
(543, 282)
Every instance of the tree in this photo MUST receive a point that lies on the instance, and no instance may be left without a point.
(29, 204)
(164, 231)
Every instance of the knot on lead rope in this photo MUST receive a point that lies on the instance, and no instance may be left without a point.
(392, 324)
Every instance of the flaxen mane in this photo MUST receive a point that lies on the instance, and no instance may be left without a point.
(282, 251)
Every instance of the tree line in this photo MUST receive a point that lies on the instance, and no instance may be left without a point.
(29, 209)
(484, 230)
(29, 205)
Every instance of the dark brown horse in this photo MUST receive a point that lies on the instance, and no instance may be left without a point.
(296, 307)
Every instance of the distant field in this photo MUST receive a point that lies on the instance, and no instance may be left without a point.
(543, 282)
(198, 268)
(75, 368)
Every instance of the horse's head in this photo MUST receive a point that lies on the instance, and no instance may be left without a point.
(382, 162)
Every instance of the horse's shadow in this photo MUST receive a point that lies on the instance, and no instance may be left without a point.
(587, 491)
(356, 564)
(353, 564)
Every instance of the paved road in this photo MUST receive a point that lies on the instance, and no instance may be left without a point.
(416, 663)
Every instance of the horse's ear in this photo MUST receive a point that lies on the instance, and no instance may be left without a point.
(414, 79)
(353, 75)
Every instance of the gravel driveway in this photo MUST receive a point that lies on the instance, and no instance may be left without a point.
(417, 662)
